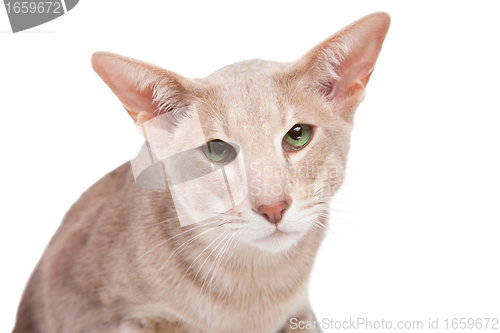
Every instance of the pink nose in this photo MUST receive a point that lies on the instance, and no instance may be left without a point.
(273, 213)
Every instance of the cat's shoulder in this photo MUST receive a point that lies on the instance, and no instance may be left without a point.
(101, 192)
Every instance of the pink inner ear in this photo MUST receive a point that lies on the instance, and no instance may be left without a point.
(132, 98)
(358, 66)
(118, 73)
(349, 56)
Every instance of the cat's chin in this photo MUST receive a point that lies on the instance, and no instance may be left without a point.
(278, 241)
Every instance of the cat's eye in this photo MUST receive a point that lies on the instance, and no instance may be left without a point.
(218, 151)
(297, 137)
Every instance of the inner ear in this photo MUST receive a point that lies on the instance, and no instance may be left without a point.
(341, 66)
(145, 90)
(141, 106)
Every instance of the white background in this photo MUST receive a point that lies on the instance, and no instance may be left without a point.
(417, 222)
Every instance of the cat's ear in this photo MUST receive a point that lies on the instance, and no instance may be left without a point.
(145, 90)
(339, 68)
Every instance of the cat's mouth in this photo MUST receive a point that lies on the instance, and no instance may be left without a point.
(278, 240)
(280, 236)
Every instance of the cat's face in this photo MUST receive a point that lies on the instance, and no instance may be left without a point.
(253, 105)
(273, 136)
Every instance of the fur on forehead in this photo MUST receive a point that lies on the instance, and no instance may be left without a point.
(263, 93)
(241, 94)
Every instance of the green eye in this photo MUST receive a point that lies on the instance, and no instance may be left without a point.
(218, 151)
(297, 137)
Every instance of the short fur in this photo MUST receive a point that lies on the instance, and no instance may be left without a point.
(120, 261)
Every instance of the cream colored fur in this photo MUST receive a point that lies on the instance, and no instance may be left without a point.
(120, 261)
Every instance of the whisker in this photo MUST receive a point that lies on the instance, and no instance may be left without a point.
(194, 279)
(167, 241)
(178, 285)
(259, 259)
(151, 225)
(334, 217)
(324, 227)
(186, 243)
(211, 266)
(212, 278)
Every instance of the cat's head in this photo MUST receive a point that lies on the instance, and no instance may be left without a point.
(258, 145)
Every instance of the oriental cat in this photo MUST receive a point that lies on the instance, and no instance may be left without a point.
(126, 260)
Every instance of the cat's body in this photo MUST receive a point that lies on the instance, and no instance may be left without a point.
(105, 289)
(120, 262)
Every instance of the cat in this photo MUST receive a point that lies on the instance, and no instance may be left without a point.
(278, 133)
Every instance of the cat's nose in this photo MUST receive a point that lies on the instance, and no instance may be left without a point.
(273, 213)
